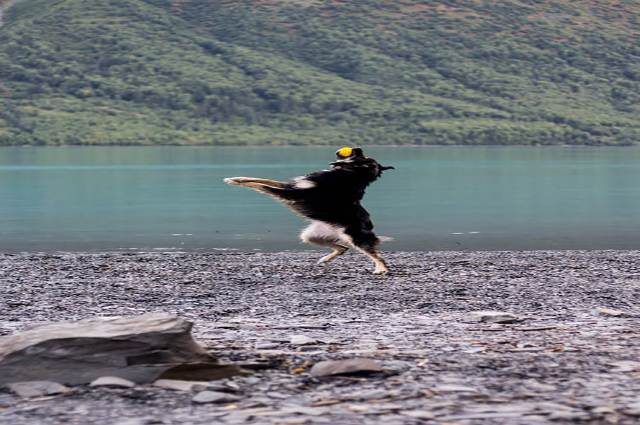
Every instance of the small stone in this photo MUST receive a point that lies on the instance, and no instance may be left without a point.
(301, 340)
(303, 410)
(626, 366)
(552, 407)
(374, 395)
(487, 415)
(293, 421)
(345, 367)
(267, 346)
(31, 389)
(214, 397)
(238, 417)
(310, 349)
(541, 387)
(568, 415)
(490, 317)
(274, 394)
(632, 409)
(397, 366)
(497, 408)
(226, 325)
(418, 414)
(176, 384)
(454, 388)
(538, 418)
(135, 421)
(602, 311)
(358, 408)
(112, 381)
(603, 409)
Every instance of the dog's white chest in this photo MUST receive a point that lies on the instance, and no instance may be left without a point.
(303, 183)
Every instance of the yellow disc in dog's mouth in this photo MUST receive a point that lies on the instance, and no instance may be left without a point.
(345, 152)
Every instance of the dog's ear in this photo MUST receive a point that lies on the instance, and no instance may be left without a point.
(357, 153)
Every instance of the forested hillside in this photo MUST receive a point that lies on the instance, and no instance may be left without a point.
(266, 72)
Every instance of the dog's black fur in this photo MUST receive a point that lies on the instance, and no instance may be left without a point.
(331, 200)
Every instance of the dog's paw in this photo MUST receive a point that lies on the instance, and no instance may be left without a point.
(381, 270)
(235, 181)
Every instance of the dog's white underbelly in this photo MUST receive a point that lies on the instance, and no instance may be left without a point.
(322, 230)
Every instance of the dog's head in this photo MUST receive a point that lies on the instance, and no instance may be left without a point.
(353, 159)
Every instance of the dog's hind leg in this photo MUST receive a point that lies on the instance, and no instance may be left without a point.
(273, 188)
(367, 243)
(254, 183)
(338, 250)
(372, 252)
(322, 234)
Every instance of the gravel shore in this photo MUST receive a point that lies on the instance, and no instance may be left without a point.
(569, 356)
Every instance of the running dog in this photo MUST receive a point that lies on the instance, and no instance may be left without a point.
(330, 199)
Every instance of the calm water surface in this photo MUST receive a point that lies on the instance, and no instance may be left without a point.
(168, 199)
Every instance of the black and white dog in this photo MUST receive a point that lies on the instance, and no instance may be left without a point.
(330, 199)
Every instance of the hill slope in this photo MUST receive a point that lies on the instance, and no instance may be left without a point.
(319, 72)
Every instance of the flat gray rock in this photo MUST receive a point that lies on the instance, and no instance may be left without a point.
(139, 349)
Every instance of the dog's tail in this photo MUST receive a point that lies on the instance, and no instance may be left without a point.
(385, 239)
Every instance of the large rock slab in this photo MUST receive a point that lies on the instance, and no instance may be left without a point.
(140, 349)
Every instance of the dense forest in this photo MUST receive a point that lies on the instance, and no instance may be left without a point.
(272, 72)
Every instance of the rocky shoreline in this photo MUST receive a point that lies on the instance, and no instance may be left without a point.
(560, 346)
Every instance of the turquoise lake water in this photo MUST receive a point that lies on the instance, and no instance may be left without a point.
(169, 199)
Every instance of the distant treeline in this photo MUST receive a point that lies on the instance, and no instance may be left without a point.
(525, 72)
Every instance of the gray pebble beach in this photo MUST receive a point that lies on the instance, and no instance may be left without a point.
(559, 344)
